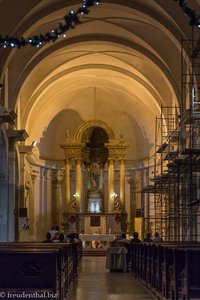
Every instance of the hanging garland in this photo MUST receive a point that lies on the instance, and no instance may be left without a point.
(194, 19)
(69, 21)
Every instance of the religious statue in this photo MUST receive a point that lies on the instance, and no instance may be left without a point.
(73, 206)
(95, 194)
(118, 206)
(94, 176)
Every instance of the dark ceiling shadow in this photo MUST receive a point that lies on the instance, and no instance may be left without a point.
(144, 146)
(55, 134)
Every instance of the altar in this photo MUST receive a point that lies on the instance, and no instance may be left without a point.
(96, 241)
(102, 224)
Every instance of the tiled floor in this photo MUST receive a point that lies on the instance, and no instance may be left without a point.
(96, 283)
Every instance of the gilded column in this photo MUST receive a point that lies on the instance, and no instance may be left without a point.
(78, 182)
(122, 181)
(110, 185)
(67, 181)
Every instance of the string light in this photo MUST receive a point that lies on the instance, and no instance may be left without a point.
(194, 19)
(69, 21)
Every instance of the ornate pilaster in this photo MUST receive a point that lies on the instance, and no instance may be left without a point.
(34, 175)
(72, 151)
(14, 136)
(57, 207)
(24, 150)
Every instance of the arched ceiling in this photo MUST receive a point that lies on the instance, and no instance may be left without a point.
(119, 66)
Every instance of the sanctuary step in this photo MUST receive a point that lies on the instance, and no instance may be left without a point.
(93, 252)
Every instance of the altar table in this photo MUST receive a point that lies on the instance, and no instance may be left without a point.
(98, 241)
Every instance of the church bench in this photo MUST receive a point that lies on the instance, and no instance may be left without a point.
(135, 256)
(158, 266)
(172, 264)
(159, 258)
(190, 280)
(66, 259)
(30, 271)
(144, 254)
(179, 256)
(61, 258)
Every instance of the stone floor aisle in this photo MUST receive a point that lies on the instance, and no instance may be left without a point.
(96, 283)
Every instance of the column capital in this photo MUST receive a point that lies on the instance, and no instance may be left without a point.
(68, 160)
(78, 160)
(117, 148)
(110, 160)
(57, 176)
(72, 148)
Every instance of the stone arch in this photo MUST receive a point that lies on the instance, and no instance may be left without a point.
(83, 132)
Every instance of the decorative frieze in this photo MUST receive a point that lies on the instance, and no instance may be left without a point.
(117, 148)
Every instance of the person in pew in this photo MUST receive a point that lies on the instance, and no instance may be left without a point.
(56, 237)
(74, 237)
(148, 238)
(48, 238)
(157, 238)
(61, 238)
(135, 238)
(123, 239)
(53, 231)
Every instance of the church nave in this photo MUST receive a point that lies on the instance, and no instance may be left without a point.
(96, 283)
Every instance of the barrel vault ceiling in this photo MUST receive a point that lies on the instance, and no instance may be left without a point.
(119, 66)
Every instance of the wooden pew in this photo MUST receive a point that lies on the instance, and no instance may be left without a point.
(179, 256)
(171, 269)
(160, 267)
(190, 288)
(27, 270)
(159, 259)
(177, 266)
(51, 267)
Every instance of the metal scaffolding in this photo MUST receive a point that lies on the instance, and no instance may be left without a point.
(175, 187)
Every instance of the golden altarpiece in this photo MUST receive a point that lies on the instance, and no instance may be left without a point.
(93, 206)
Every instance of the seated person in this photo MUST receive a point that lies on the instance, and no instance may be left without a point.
(56, 237)
(157, 238)
(123, 239)
(148, 238)
(53, 231)
(135, 238)
(48, 238)
(61, 237)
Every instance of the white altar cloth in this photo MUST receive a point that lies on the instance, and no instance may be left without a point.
(97, 237)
